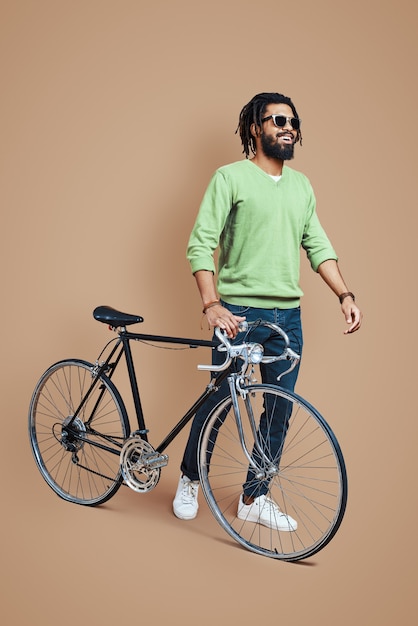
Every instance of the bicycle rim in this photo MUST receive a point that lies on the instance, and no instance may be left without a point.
(306, 475)
(84, 467)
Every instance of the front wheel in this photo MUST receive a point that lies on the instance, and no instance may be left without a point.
(78, 456)
(292, 460)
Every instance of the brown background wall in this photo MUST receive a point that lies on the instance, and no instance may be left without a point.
(113, 117)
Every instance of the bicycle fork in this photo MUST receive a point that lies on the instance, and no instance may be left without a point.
(237, 386)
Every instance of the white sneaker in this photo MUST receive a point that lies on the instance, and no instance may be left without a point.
(266, 512)
(185, 504)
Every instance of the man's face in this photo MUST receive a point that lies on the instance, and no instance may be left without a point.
(278, 143)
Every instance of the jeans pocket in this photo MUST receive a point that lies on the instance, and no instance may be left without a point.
(236, 309)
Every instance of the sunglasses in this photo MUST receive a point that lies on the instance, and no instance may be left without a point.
(281, 120)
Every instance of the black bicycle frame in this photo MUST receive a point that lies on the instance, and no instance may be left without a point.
(107, 368)
(126, 337)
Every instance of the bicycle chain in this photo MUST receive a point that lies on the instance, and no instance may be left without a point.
(92, 471)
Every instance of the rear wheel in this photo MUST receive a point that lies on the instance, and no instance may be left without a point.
(78, 457)
(305, 475)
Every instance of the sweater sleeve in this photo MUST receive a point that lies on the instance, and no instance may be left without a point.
(315, 241)
(210, 221)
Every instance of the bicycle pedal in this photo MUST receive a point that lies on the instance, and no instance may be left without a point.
(154, 461)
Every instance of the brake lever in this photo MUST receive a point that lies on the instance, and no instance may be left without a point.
(294, 358)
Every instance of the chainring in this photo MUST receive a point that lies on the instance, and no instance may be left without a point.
(141, 464)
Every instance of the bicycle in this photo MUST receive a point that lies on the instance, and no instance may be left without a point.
(82, 442)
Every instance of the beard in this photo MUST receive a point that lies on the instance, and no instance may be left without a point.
(275, 151)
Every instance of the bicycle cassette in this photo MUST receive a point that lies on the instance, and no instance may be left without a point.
(141, 464)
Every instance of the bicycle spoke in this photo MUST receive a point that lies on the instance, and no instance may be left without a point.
(300, 468)
(78, 456)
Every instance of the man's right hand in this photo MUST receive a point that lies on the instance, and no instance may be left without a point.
(218, 315)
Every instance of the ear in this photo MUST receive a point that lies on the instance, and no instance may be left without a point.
(255, 130)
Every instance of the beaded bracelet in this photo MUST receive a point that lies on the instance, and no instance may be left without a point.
(344, 295)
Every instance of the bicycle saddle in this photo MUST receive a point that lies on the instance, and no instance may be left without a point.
(114, 318)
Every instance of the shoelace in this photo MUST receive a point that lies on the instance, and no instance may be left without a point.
(189, 492)
(272, 508)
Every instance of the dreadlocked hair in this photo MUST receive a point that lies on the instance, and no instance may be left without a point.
(253, 113)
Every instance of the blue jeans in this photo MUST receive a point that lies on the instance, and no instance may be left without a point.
(289, 320)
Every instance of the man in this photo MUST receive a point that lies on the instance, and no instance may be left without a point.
(259, 212)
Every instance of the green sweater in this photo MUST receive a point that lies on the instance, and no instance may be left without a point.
(259, 225)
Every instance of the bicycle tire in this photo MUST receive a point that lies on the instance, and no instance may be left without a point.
(83, 470)
(309, 482)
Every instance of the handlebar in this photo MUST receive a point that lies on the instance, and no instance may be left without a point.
(250, 352)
